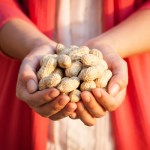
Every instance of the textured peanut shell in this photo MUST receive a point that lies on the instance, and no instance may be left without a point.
(96, 52)
(67, 50)
(53, 80)
(104, 79)
(90, 60)
(87, 86)
(101, 67)
(46, 57)
(48, 67)
(75, 95)
(64, 61)
(68, 84)
(42, 84)
(78, 53)
(74, 69)
(89, 74)
(59, 71)
(59, 48)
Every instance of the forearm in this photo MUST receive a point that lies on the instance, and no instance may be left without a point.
(18, 38)
(130, 37)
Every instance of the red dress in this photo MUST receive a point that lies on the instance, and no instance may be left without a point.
(23, 129)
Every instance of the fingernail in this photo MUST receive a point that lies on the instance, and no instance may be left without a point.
(53, 94)
(87, 98)
(63, 101)
(114, 89)
(73, 115)
(31, 86)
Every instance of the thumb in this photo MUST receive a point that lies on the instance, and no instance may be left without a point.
(27, 76)
(117, 83)
(31, 86)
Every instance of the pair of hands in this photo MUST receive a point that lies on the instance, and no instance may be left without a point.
(50, 103)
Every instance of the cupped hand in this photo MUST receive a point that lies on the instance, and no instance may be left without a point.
(96, 103)
(49, 102)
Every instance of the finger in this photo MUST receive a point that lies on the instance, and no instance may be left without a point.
(27, 76)
(41, 97)
(106, 100)
(91, 105)
(83, 114)
(119, 79)
(54, 106)
(73, 115)
(65, 112)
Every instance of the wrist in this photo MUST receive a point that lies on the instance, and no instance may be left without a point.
(41, 42)
(103, 41)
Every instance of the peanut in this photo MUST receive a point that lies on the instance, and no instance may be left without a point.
(101, 67)
(50, 81)
(59, 48)
(53, 80)
(74, 69)
(87, 86)
(47, 68)
(42, 84)
(75, 95)
(89, 74)
(103, 81)
(68, 49)
(64, 61)
(68, 84)
(59, 71)
(78, 53)
(96, 52)
(90, 60)
(45, 58)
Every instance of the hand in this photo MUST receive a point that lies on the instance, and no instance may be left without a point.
(49, 102)
(96, 103)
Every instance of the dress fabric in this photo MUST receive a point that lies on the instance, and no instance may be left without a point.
(77, 28)
(21, 128)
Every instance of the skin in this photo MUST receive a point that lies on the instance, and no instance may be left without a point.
(114, 44)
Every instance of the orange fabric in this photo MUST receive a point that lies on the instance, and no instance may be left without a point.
(21, 128)
(131, 121)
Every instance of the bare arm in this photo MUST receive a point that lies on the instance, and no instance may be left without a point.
(130, 37)
(18, 37)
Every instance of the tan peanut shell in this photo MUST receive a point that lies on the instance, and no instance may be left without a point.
(53, 80)
(64, 61)
(104, 79)
(42, 84)
(96, 52)
(68, 84)
(78, 53)
(59, 48)
(88, 74)
(67, 50)
(74, 69)
(47, 68)
(101, 67)
(87, 86)
(90, 60)
(59, 71)
(45, 58)
(75, 95)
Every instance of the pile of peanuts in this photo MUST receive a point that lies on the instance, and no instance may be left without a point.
(73, 70)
